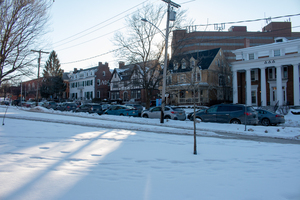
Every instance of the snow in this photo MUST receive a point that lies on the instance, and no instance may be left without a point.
(46, 154)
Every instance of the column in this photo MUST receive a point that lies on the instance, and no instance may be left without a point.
(296, 84)
(279, 86)
(234, 87)
(263, 90)
(248, 87)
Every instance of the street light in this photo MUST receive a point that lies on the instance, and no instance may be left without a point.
(165, 66)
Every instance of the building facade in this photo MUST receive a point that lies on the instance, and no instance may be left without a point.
(190, 40)
(127, 83)
(103, 75)
(203, 76)
(87, 84)
(267, 74)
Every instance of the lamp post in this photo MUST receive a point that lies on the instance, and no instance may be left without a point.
(166, 56)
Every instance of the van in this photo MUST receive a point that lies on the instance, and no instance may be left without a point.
(229, 113)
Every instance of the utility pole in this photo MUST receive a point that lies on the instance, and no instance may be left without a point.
(38, 75)
(163, 98)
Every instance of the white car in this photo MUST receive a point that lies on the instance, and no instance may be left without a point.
(170, 113)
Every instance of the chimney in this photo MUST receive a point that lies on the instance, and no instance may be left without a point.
(121, 64)
(75, 70)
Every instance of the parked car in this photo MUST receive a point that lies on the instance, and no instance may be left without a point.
(190, 116)
(122, 110)
(67, 106)
(105, 106)
(90, 108)
(50, 105)
(171, 112)
(229, 113)
(140, 108)
(267, 118)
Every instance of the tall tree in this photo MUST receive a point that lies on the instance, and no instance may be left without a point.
(22, 23)
(53, 84)
(141, 44)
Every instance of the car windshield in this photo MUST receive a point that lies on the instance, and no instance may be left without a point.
(250, 109)
(176, 108)
(130, 107)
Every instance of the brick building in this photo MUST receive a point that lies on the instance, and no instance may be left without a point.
(189, 40)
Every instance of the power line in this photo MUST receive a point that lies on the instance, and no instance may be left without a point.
(196, 25)
(250, 20)
(96, 26)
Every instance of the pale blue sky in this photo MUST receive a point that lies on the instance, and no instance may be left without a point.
(70, 17)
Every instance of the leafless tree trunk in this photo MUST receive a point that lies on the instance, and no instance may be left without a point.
(143, 43)
(22, 23)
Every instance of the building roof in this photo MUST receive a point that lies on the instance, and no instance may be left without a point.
(203, 60)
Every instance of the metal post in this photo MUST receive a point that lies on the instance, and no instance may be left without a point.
(163, 103)
(163, 98)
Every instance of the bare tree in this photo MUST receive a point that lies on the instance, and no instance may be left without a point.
(143, 45)
(22, 24)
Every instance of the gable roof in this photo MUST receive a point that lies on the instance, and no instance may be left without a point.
(203, 59)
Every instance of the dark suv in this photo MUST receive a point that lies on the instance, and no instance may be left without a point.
(229, 113)
(90, 108)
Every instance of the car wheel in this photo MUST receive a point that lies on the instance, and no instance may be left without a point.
(235, 121)
(145, 115)
(167, 117)
(197, 119)
(121, 114)
(265, 122)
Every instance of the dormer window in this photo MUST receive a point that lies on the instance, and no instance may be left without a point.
(251, 56)
(192, 63)
(183, 64)
(175, 65)
(276, 52)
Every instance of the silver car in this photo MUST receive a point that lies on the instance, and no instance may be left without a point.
(170, 113)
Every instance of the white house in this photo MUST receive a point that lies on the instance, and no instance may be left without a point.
(82, 84)
(267, 74)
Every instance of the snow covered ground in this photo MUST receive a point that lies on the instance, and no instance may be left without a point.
(83, 156)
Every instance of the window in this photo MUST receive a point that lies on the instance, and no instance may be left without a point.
(175, 65)
(115, 95)
(125, 96)
(272, 73)
(196, 76)
(98, 81)
(276, 52)
(169, 79)
(192, 63)
(221, 80)
(253, 97)
(115, 85)
(181, 78)
(183, 65)
(98, 94)
(251, 56)
(182, 94)
(136, 94)
(285, 72)
(254, 75)
(103, 73)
